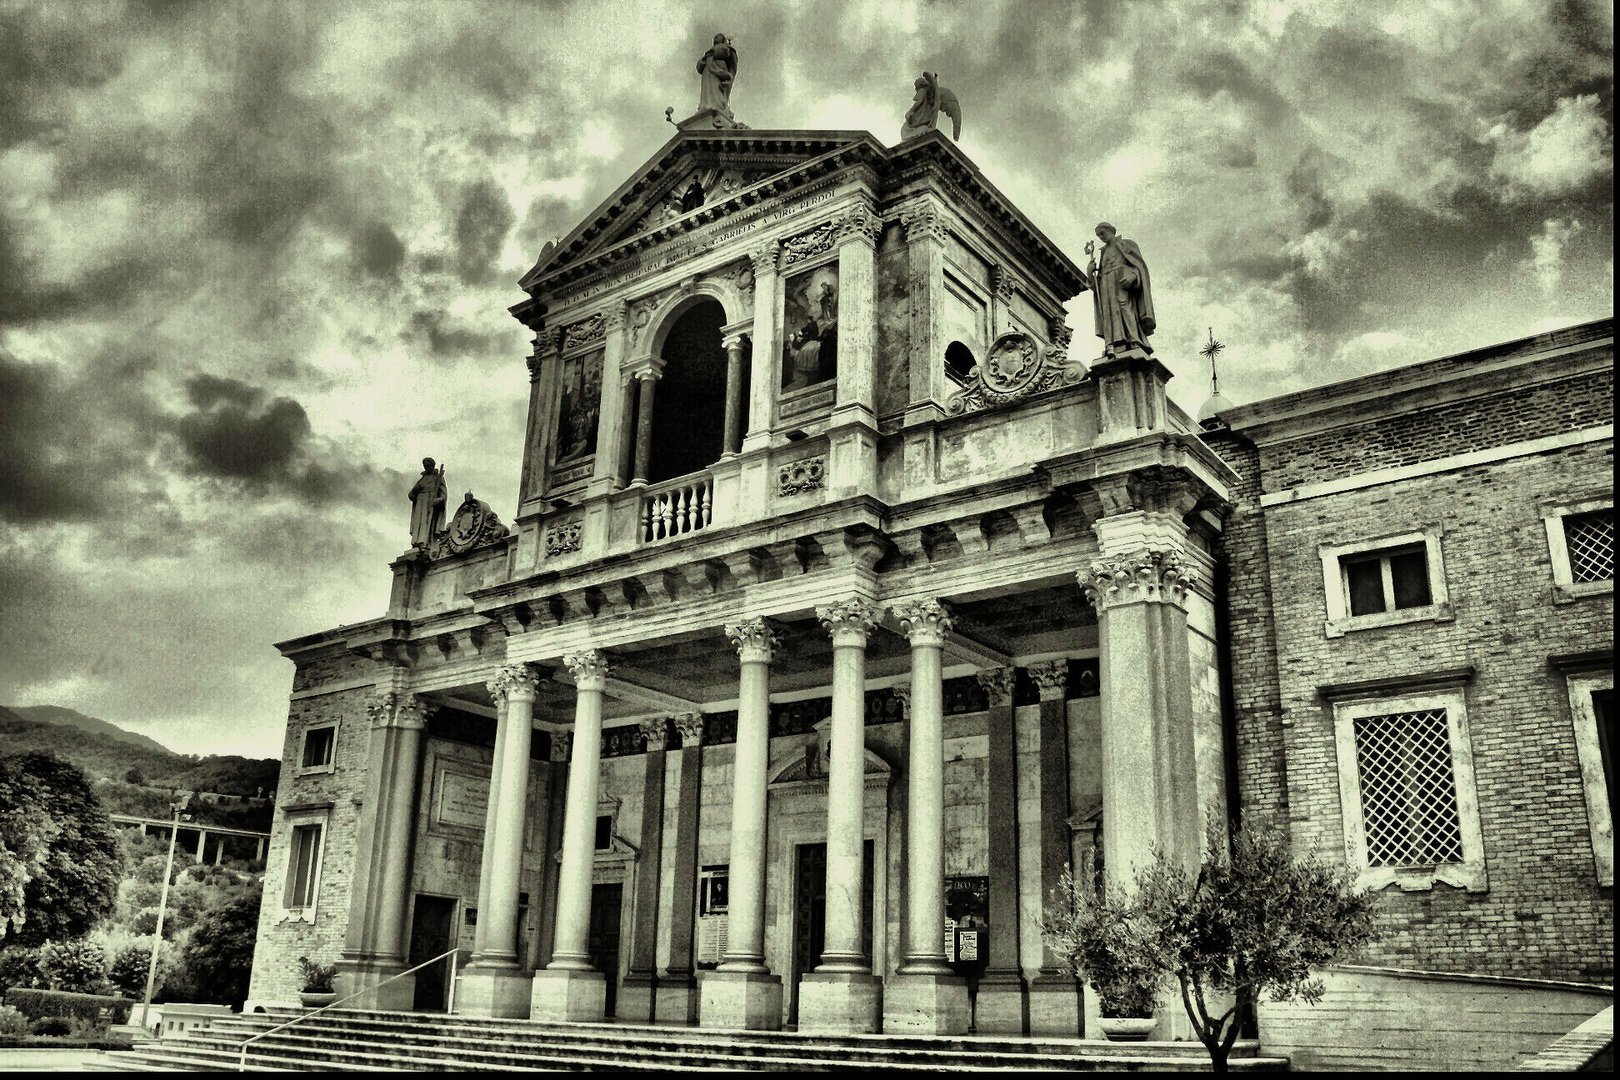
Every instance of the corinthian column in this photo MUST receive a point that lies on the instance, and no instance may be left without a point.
(569, 988)
(732, 439)
(743, 992)
(841, 994)
(493, 984)
(925, 995)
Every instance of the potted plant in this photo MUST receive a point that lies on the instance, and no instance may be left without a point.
(1104, 939)
(317, 986)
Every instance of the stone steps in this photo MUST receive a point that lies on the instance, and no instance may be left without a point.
(370, 1041)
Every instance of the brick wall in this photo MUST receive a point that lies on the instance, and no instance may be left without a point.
(1543, 914)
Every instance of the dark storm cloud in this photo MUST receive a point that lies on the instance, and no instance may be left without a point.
(378, 250)
(41, 51)
(481, 226)
(1216, 70)
(445, 338)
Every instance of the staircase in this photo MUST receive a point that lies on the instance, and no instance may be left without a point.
(352, 1040)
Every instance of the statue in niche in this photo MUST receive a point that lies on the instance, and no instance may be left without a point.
(1121, 293)
(810, 355)
(693, 197)
(581, 403)
(427, 504)
(719, 70)
(930, 100)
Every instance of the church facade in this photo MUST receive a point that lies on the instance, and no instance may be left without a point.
(843, 609)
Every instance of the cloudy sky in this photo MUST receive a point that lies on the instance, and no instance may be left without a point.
(255, 258)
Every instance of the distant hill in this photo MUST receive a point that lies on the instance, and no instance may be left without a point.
(56, 714)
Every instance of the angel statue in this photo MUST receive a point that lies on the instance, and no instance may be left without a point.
(719, 69)
(931, 100)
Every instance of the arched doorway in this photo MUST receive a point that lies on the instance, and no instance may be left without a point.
(689, 411)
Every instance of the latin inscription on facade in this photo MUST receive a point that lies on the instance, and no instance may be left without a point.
(463, 800)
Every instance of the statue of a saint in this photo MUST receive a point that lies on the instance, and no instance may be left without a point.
(1121, 293)
(427, 504)
(930, 100)
(718, 69)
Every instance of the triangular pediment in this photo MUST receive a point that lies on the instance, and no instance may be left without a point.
(733, 169)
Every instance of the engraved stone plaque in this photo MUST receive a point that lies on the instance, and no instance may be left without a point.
(462, 800)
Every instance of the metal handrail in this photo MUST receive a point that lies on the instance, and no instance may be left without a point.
(453, 954)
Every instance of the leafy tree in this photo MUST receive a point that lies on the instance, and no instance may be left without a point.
(79, 967)
(19, 967)
(69, 885)
(134, 776)
(128, 967)
(219, 955)
(1253, 920)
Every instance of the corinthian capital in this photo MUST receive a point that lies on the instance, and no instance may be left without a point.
(514, 682)
(922, 224)
(861, 222)
(1147, 575)
(926, 622)
(690, 728)
(617, 316)
(411, 712)
(764, 258)
(849, 621)
(380, 709)
(589, 669)
(998, 685)
(756, 640)
(657, 733)
(1051, 678)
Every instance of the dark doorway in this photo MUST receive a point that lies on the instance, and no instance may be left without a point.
(606, 904)
(689, 405)
(432, 923)
(810, 913)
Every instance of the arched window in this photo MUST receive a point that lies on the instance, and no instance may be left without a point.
(959, 363)
(689, 409)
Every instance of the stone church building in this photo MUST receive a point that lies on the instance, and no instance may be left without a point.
(847, 603)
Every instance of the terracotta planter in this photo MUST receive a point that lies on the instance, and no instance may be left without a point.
(1126, 1028)
(314, 1001)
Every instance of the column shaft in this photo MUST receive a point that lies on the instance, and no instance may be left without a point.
(610, 409)
(734, 402)
(846, 795)
(644, 942)
(1001, 767)
(486, 879)
(644, 424)
(498, 917)
(925, 807)
(571, 950)
(745, 944)
(684, 902)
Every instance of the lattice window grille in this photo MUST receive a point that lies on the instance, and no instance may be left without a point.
(1590, 540)
(1408, 789)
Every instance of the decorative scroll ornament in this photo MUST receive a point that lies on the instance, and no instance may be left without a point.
(640, 315)
(563, 538)
(742, 277)
(589, 669)
(474, 525)
(1051, 678)
(689, 726)
(657, 733)
(849, 621)
(922, 224)
(807, 245)
(561, 743)
(588, 330)
(804, 474)
(514, 682)
(998, 685)
(1148, 575)
(1014, 368)
(756, 640)
(861, 221)
(926, 622)
(1005, 283)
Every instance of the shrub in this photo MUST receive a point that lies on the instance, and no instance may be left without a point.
(95, 1008)
(127, 971)
(219, 954)
(76, 966)
(50, 1025)
(317, 977)
(1107, 942)
(20, 967)
(12, 1021)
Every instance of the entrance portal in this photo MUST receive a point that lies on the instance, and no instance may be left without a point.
(607, 901)
(810, 913)
(432, 924)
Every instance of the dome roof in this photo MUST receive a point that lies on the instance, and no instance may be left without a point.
(1211, 409)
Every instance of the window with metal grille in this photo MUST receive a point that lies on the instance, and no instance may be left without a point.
(1590, 540)
(1408, 789)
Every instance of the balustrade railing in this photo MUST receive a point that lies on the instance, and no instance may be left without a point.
(675, 511)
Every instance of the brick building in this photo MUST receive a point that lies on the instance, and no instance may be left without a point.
(842, 609)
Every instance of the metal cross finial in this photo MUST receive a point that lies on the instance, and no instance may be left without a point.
(1211, 350)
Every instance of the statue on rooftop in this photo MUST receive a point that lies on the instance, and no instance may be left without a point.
(931, 99)
(427, 504)
(1121, 293)
(718, 69)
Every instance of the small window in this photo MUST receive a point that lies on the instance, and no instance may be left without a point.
(959, 363)
(604, 832)
(1387, 580)
(319, 744)
(303, 868)
(1580, 536)
(1407, 789)
(1384, 581)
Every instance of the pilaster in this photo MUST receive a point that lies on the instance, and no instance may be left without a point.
(762, 377)
(636, 999)
(852, 427)
(1000, 1004)
(677, 993)
(1054, 995)
(610, 425)
(925, 241)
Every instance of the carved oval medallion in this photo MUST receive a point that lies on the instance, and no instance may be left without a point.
(1011, 365)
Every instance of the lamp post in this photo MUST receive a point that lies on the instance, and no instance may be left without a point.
(177, 808)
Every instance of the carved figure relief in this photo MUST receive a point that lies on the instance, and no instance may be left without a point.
(578, 407)
(810, 327)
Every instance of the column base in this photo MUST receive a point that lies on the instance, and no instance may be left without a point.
(637, 998)
(999, 1006)
(843, 1002)
(746, 1000)
(500, 992)
(577, 997)
(677, 1000)
(371, 976)
(1054, 1006)
(925, 1005)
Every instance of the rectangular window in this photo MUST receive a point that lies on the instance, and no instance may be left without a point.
(604, 832)
(1387, 580)
(1406, 787)
(303, 867)
(319, 744)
